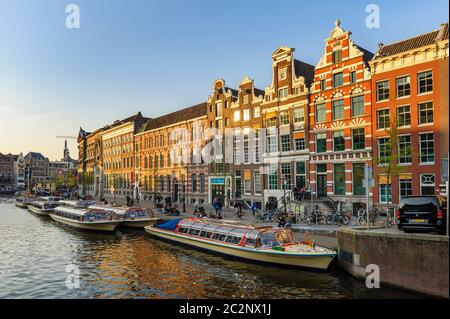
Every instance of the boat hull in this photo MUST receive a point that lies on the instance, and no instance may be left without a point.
(95, 226)
(22, 205)
(39, 211)
(319, 262)
(139, 223)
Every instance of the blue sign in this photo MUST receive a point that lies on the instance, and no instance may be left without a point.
(217, 181)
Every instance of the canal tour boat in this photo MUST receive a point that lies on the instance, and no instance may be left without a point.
(261, 244)
(24, 201)
(77, 203)
(131, 216)
(43, 208)
(85, 219)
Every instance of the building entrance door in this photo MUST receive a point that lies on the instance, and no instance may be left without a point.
(217, 191)
(321, 185)
(175, 190)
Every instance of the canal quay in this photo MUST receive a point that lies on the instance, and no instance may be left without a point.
(130, 264)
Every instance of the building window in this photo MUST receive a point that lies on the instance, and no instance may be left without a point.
(359, 139)
(357, 106)
(285, 143)
(427, 184)
(245, 99)
(237, 116)
(272, 146)
(237, 148)
(273, 176)
(247, 186)
(246, 149)
(403, 116)
(256, 147)
(282, 74)
(385, 193)
(320, 113)
(257, 182)
(300, 144)
(218, 109)
(338, 79)
(403, 86)
(299, 115)
(383, 90)
(321, 143)
(282, 93)
(358, 178)
(426, 148)
(246, 115)
(353, 77)
(425, 82)
(300, 175)
(426, 115)
(202, 183)
(323, 85)
(405, 187)
(339, 179)
(337, 56)
(272, 122)
(384, 150)
(339, 141)
(404, 149)
(284, 118)
(383, 121)
(169, 183)
(286, 175)
(338, 110)
(256, 112)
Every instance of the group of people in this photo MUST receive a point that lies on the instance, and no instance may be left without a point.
(299, 193)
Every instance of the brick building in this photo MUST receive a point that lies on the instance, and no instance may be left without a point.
(39, 178)
(410, 91)
(340, 121)
(168, 156)
(7, 174)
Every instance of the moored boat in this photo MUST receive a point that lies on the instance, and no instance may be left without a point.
(131, 216)
(85, 219)
(77, 203)
(42, 208)
(261, 244)
(24, 201)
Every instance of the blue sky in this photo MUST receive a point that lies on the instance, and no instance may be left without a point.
(160, 56)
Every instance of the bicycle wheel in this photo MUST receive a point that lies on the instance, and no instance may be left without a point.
(344, 220)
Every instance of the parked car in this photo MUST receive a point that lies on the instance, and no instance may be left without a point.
(422, 213)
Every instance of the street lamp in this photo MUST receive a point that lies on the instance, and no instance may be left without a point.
(284, 183)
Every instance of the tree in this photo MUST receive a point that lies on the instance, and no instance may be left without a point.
(388, 164)
(58, 181)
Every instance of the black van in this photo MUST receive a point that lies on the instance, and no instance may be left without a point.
(422, 213)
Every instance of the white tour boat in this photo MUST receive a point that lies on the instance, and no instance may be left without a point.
(77, 203)
(130, 216)
(85, 219)
(43, 208)
(261, 244)
(24, 201)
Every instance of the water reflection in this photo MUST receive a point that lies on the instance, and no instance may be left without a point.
(130, 264)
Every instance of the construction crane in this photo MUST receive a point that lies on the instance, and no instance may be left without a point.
(67, 137)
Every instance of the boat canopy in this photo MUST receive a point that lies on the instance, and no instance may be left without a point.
(77, 203)
(169, 224)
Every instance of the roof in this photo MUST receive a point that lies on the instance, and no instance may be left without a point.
(415, 42)
(366, 53)
(36, 156)
(185, 114)
(304, 69)
(134, 118)
(234, 92)
(258, 92)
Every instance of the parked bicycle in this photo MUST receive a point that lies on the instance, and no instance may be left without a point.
(316, 217)
(361, 217)
(337, 218)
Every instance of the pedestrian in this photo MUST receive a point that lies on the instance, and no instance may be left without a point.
(254, 208)
(236, 210)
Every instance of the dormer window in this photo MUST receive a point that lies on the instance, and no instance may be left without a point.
(245, 99)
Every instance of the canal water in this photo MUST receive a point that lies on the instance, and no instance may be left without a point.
(35, 251)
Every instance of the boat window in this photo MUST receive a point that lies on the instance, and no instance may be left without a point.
(250, 242)
(194, 232)
(229, 239)
(205, 234)
(183, 230)
(219, 237)
(268, 239)
(236, 240)
(285, 237)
